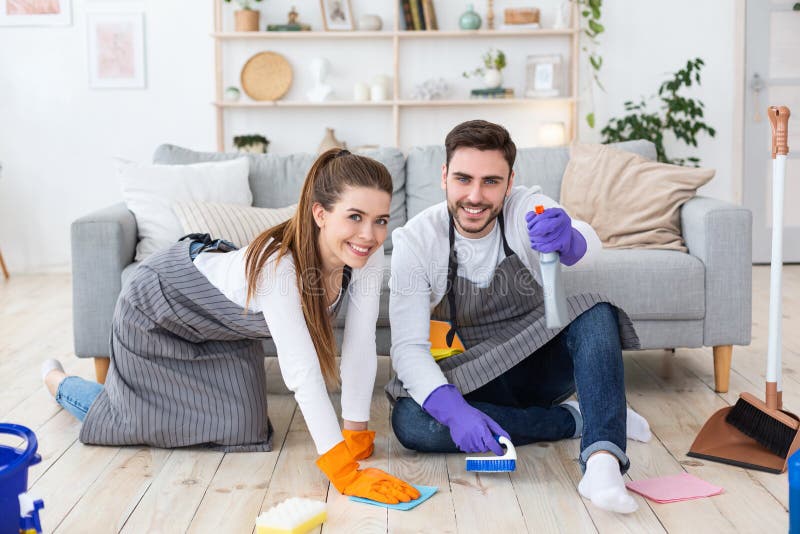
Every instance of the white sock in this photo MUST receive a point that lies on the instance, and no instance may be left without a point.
(51, 365)
(637, 426)
(602, 483)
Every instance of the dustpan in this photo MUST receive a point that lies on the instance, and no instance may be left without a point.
(719, 441)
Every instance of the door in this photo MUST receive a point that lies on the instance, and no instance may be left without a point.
(772, 77)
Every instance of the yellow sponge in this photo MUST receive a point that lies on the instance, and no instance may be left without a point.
(292, 516)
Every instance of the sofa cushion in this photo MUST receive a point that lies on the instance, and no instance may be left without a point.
(150, 190)
(238, 224)
(276, 181)
(648, 284)
(533, 166)
(600, 179)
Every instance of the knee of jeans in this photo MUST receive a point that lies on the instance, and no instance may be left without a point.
(404, 415)
(601, 315)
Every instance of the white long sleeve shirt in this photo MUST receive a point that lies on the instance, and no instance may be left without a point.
(279, 300)
(419, 277)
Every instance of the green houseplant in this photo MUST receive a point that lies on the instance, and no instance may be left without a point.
(494, 61)
(591, 28)
(254, 144)
(246, 18)
(677, 114)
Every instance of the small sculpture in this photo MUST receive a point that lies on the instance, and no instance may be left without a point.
(319, 70)
(431, 89)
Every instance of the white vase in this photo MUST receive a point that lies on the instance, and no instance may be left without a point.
(493, 78)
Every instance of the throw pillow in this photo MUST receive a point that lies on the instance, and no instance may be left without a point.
(237, 224)
(630, 201)
(150, 190)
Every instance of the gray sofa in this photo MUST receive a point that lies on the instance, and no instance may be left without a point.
(698, 299)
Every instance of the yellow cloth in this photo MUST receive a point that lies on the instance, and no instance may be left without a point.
(438, 339)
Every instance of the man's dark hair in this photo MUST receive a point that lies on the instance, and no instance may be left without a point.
(482, 135)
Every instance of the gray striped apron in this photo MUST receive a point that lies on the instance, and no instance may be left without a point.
(187, 364)
(502, 324)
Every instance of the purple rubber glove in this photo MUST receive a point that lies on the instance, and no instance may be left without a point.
(552, 231)
(471, 429)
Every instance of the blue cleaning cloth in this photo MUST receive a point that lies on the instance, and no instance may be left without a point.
(425, 493)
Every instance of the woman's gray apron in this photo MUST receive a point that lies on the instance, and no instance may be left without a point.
(502, 324)
(187, 364)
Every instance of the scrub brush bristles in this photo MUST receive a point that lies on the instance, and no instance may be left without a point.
(292, 516)
(497, 464)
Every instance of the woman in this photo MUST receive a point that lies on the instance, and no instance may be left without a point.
(186, 344)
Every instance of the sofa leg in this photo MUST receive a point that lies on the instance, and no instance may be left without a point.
(101, 368)
(722, 367)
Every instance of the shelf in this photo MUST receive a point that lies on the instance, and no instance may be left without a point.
(484, 102)
(303, 104)
(402, 34)
(390, 103)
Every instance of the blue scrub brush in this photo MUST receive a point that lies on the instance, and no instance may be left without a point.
(497, 464)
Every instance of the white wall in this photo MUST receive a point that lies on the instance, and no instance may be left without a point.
(57, 136)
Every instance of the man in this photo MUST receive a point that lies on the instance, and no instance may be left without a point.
(473, 261)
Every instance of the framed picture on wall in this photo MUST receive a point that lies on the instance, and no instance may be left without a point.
(35, 12)
(337, 14)
(544, 76)
(116, 50)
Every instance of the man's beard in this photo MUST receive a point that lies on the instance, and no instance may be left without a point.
(455, 212)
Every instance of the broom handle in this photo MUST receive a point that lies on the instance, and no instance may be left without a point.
(779, 119)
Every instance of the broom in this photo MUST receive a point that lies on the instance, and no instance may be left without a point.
(764, 421)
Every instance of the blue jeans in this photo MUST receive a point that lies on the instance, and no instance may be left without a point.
(524, 400)
(76, 395)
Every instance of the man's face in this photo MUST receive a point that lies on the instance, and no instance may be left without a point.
(476, 183)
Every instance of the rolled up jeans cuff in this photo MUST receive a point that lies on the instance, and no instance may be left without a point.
(578, 419)
(624, 462)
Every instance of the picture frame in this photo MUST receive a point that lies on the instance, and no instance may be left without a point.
(115, 46)
(35, 12)
(337, 15)
(544, 76)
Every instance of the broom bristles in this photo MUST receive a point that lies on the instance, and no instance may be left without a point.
(766, 429)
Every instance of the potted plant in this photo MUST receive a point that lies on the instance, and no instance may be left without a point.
(246, 19)
(254, 144)
(494, 61)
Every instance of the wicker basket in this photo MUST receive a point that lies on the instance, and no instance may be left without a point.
(266, 76)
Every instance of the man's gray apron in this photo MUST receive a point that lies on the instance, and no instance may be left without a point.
(502, 324)
(187, 364)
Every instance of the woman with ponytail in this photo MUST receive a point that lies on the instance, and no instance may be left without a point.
(186, 344)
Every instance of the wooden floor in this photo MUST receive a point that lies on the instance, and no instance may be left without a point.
(139, 489)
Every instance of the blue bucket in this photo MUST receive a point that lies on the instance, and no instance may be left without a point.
(14, 465)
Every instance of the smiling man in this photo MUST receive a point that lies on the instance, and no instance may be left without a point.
(473, 261)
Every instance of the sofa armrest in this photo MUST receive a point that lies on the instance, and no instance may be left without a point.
(719, 234)
(103, 244)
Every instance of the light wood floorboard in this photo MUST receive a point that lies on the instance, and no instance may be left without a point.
(141, 489)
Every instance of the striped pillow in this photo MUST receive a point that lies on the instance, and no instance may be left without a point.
(237, 224)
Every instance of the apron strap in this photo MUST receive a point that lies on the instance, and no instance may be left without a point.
(452, 270)
(347, 274)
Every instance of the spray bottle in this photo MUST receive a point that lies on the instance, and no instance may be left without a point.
(555, 301)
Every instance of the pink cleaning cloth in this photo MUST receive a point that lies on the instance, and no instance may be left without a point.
(674, 488)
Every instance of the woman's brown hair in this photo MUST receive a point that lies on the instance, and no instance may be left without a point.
(331, 173)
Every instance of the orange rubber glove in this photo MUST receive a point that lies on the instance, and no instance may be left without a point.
(371, 483)
(360, 443)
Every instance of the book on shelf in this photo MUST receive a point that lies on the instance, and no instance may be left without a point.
(419, 15)
(513, 27)
(409, 20)
(416, 14)
(430, 15)
(496, 92)
(288, 28)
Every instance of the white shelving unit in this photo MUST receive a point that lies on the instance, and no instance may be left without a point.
(397, 37)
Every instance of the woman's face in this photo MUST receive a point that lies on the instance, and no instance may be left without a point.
(354, 228)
